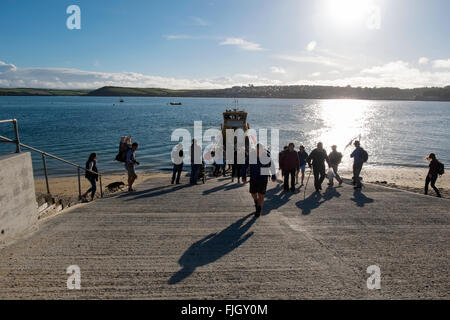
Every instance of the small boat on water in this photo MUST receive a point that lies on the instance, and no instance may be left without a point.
(175, 103)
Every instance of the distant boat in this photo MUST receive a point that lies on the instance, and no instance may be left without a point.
(175, 103)
(121, 100)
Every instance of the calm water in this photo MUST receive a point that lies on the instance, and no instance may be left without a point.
(395, 133)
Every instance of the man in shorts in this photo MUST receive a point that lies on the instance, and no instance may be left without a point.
(259, 174)
(130, 163)
(302, 155)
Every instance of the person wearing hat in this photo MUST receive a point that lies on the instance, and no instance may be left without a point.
(335, 159)
(358, 161)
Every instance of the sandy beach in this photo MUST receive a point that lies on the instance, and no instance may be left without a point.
(410, 179)
(68, 186)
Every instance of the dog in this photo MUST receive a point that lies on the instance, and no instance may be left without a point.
(115, 186)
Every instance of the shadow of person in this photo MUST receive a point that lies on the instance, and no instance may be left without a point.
(213, 247)
(274, 199)
(155, 192)
(223, 187)
(360, 198)
(316, 199)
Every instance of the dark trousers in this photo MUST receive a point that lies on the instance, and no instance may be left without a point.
(195, 169)
(319, 176)
(93, 187)
(433, 181)
(217, 168)
(176, 171)
(236, 170)
(288, 173)
(357, 167)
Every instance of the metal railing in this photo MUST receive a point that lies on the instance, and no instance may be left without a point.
(44, 160)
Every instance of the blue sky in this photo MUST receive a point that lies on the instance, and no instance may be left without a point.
(214, 44)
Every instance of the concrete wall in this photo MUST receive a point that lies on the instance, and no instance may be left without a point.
(18, 207)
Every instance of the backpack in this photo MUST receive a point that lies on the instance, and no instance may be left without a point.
(364, 155)
(441, 169)
(124, 146)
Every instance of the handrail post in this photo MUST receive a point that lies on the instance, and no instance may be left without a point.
(45, 172)
(101, 188)
(79, 184)
(16, 131)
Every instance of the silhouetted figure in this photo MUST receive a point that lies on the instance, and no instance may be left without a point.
(290, 165)
(196, 161)
(359, 156)
(177, 159)
(335, 159)
(259, 174)
(302, 155)
(318, 157)
(91, 164)
(432, 174)
(130, 164)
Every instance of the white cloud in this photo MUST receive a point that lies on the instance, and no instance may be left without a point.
(59, 78)
(279, 70)
(311, 46)
(4, 67)
(241, 43)
(441, 64)
(177, 36)
(310, 59)
(334, 72)
(423, 60)
(392, 74)
(197, 21)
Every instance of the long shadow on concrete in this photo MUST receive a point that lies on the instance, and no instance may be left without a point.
(154, 192)
(360, 198)
(316, 199)
(273, 200)
(213, 247)
(223, 187)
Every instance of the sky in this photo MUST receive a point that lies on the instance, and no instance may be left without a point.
(221, 43)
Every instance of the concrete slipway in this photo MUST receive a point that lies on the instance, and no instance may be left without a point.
(180, 241)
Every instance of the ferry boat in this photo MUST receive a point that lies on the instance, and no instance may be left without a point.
(235, 119)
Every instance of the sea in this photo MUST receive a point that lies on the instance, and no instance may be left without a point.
(397, 134)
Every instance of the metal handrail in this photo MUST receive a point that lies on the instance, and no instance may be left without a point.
(45, 154)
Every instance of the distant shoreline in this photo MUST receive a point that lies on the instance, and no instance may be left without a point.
(251, 92)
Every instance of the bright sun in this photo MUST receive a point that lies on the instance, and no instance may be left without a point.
(349, 12)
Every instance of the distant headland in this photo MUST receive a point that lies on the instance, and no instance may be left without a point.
(281, 92)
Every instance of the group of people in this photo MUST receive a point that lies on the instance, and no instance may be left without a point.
(91, 173)
(292, 163)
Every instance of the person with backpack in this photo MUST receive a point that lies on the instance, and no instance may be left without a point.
(318, 157)
(259, 174)
(359, 156)
(130, 164)
(436, 168)
(335, 159)
(177, 159)
(291, 164)
(91, 165)
(302, 155)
